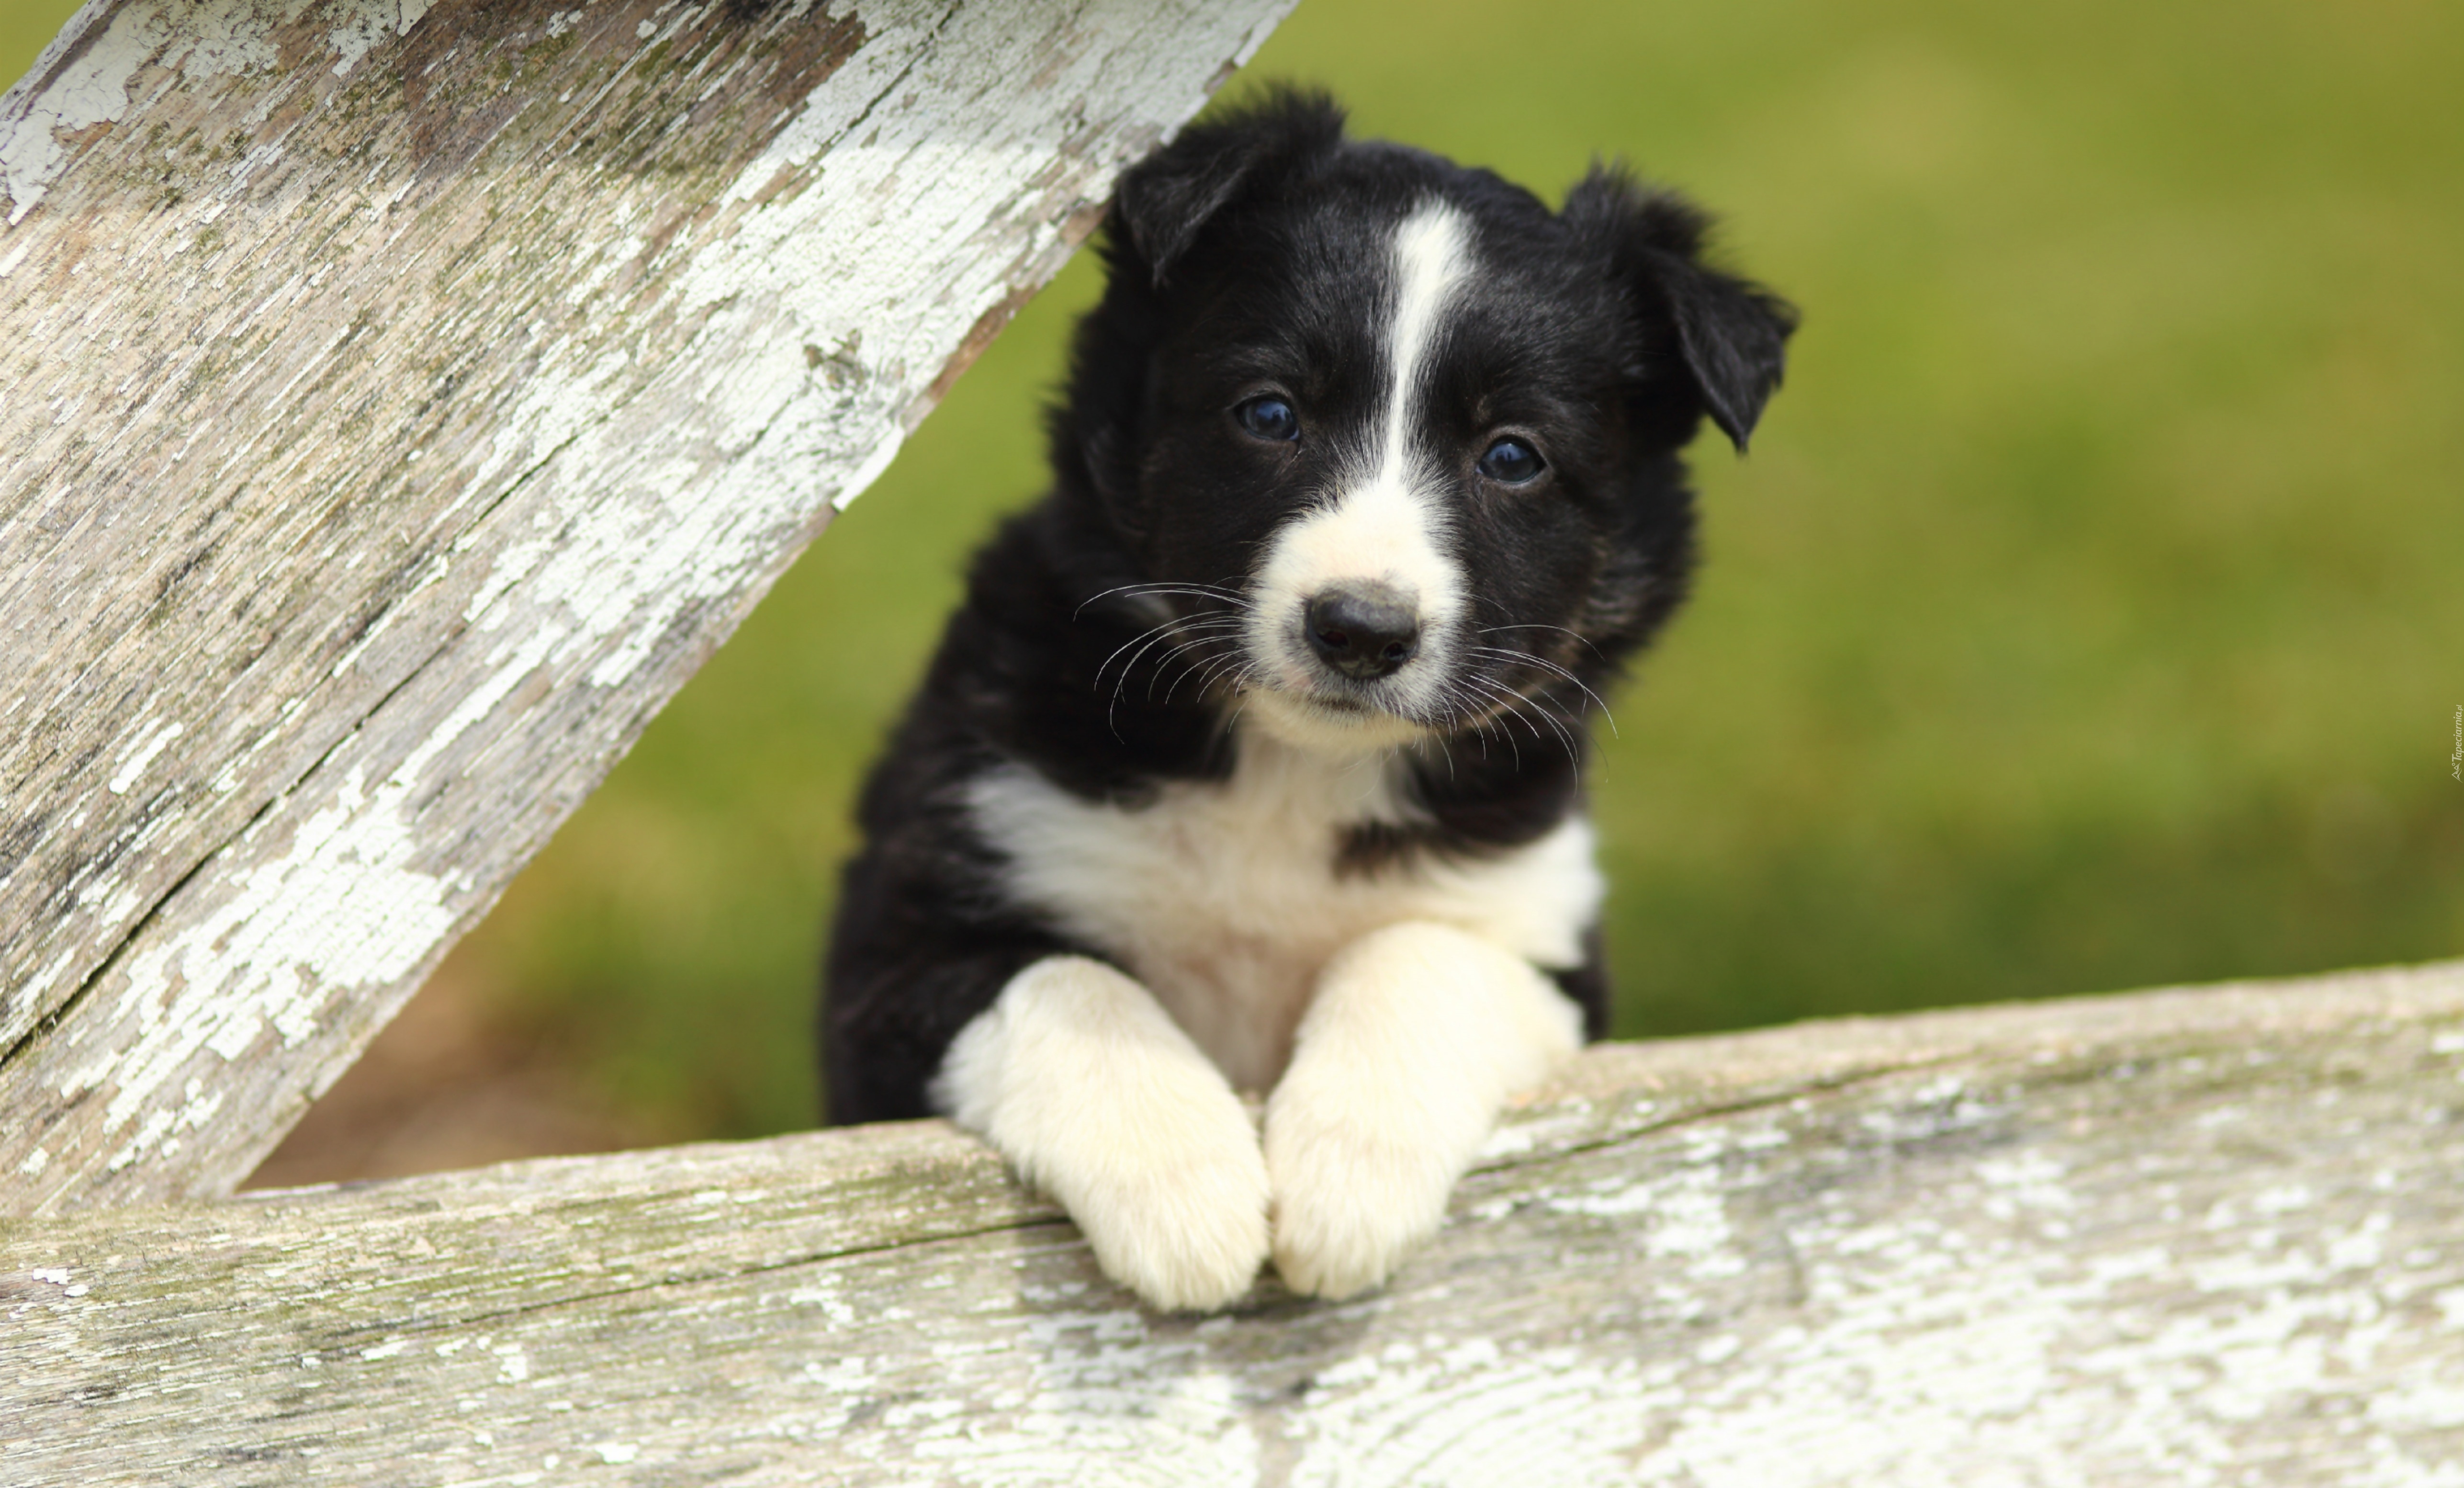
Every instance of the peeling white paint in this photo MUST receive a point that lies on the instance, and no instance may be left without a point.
(91, 91)
(626, 570)
(2450, 1304)
(368, 24)
(141, 754)
(341, 910)
(826, 1296)
(2425, 1404)
(338, 912)
(892, 440)
(197, 40)
(1100, 1388)
(513, 1364)
(512, 566)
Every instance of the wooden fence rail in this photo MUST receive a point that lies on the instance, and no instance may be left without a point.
(397, 402)
(2205, 1236)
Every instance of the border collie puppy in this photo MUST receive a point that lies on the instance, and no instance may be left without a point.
(1253, 760)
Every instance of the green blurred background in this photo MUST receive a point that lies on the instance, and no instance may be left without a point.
(2089, 615)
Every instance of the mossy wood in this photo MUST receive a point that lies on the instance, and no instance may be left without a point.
(398, 400)
(2213, 1236)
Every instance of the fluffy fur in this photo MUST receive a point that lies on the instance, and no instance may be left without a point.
(1253, 760)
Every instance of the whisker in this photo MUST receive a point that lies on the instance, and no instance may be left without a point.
(1476, 712)
(1178, 651)
(1123, 681)
(1516, 705)
(1466, 703)
(1193, 590)
(1176, 645)
(1504, 735)
(1508, 698)
(1586, 641)
(1200, 625)
(1480, 725)
(1210, 669)
(1566, 728)
(1124, 645)
(1202, 668)
(1541, 661)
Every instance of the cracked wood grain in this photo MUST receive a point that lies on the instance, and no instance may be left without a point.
(2202, 1237)
(401, 399)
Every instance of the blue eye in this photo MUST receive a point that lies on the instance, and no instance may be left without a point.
(1269, 417)
(1512, 462)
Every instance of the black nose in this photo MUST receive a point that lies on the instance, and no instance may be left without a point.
(1363, 629)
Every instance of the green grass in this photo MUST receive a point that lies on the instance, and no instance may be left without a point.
(2090, 613)
(25, 28)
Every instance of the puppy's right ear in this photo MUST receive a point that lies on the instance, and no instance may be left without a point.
(1164, 201)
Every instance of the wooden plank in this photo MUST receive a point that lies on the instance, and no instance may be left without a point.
(2212, 1236)
(401, 399)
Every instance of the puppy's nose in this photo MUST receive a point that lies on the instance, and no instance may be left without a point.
(1363, 629)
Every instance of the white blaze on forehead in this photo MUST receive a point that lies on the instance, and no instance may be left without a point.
(1429, 262)
(1385, 524)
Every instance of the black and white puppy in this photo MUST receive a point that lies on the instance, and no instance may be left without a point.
(1253, 760)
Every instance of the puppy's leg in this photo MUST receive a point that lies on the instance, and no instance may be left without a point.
(1417, 1035)
(1088, 1086)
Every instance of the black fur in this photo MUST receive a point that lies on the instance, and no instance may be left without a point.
(1240, 255)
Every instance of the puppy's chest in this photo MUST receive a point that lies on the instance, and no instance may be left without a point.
(1225, 898)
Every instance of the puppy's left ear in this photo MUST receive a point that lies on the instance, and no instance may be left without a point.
(1732, 333)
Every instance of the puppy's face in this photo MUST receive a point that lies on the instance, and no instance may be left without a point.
(1405, 438)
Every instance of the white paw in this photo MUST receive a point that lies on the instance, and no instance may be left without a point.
(1350, 1204)
(1089, 1089)
(1416, 1034)
(1185, 1229)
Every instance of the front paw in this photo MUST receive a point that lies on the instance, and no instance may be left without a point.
(1349, 1203)
(1183, 1228)
(1089, 1089)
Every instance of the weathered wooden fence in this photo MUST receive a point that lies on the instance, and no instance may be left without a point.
(401, 401)
(2208, 1237)
(398, 400)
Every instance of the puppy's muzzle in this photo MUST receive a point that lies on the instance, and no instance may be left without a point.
(1363, 629)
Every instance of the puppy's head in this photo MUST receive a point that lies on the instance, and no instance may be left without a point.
(1393, 444)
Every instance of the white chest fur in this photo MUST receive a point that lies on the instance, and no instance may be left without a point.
(1224, 898)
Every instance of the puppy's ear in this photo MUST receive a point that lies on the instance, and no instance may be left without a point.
(1732, 333)
(1163, 203)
